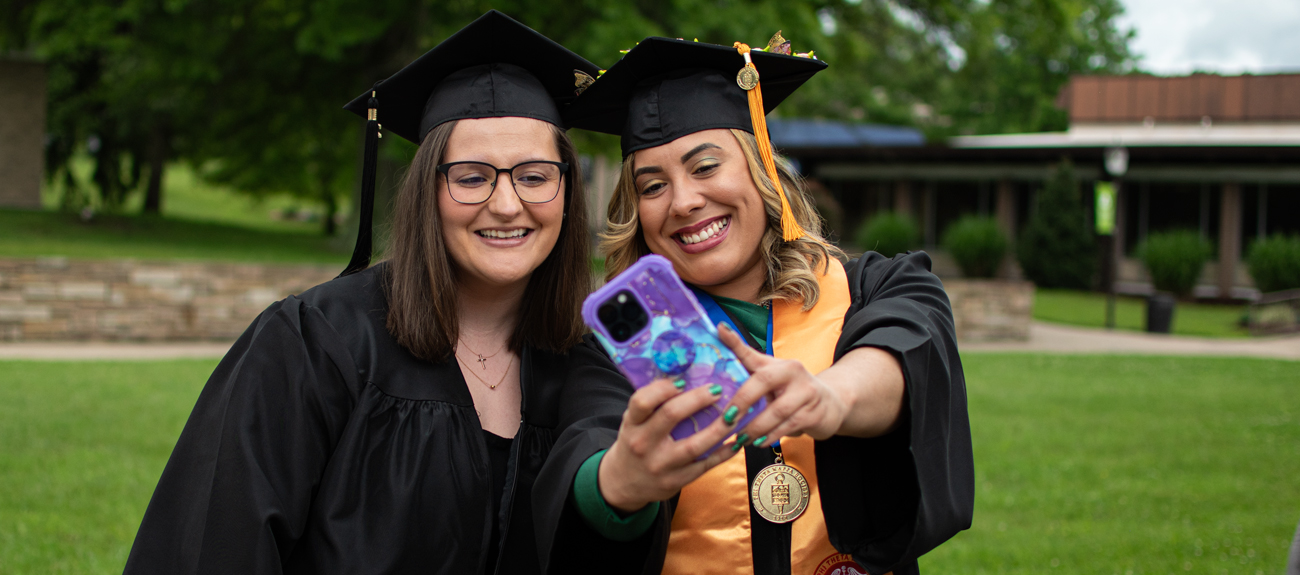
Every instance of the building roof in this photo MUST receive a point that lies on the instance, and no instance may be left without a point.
(1140, 110)
(1137, 135)
(804, 133)
(1142, 97)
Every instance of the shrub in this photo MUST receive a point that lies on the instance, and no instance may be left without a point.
(1056, 249)
(889, 233)
(1275, 263)
(977, 244)
(1174, 259)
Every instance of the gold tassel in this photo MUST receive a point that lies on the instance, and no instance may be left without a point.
(790, 228)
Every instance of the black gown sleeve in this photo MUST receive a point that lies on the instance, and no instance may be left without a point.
(888, 500)
(235, 494)
(591, 408)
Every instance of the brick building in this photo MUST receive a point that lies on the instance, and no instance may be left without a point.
(1218, 154)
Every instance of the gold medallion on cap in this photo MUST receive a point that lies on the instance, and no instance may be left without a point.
(747, 78)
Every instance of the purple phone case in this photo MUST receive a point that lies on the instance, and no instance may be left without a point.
(679, 340)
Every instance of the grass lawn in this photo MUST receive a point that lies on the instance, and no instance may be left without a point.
(1084, 464)
(200, 222)
(1089, 309)
(1104, 464)
(45, 233)
(84, 444)
(186, 196)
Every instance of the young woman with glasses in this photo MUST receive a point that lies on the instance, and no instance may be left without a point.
(400, 419)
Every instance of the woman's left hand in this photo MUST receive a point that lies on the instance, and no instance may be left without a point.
(861, 395)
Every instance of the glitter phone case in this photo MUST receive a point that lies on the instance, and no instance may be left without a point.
(670, 336)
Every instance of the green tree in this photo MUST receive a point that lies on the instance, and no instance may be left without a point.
(1056, 249)
(89, 85)
(249, 90)
(1020, 53)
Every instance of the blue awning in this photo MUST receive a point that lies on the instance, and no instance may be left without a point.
(792, 133)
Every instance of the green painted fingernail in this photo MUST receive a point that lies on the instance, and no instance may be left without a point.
(742, 438)
(715, 389)
(680, 384)
(729, 416)
(759, 441)
(736, 446)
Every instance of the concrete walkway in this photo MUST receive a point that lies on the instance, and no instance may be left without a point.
(86, 351)
(1056, 338)
(1043, 338)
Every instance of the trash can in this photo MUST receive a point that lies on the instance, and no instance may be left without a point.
(1160, 312)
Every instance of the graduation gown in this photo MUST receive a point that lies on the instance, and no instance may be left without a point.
(320, 445)
(878, 502)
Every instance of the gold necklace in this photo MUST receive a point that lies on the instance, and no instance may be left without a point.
(476, 376)
(482, 359)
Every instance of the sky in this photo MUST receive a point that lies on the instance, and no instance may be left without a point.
(1224, 36)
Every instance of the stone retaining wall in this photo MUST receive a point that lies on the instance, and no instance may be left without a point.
(45, 299)
(56, 299)
(991, 310)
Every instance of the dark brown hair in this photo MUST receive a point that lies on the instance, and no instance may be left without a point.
(421, 280)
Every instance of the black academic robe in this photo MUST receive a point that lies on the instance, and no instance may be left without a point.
(890, 499)
(319, 445)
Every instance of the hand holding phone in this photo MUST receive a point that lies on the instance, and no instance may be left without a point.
(653, 327)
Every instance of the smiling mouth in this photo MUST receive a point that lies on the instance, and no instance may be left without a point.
(709, 231)
(504, 234)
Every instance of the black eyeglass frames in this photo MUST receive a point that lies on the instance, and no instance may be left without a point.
(535, 182)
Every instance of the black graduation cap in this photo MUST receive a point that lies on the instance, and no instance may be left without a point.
(494, 67)
(666, 88)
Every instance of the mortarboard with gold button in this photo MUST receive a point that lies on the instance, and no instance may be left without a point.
(666, 88)
(494, 67)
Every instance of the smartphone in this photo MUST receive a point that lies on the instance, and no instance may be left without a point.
(654, 327)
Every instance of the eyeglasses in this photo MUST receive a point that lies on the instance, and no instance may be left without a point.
(473, 182)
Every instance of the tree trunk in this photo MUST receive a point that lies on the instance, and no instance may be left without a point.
(331, 210)
(159, 150)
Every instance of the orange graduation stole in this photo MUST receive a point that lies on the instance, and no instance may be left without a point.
(711, 527)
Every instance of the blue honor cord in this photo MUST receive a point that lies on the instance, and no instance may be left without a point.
(717, 316)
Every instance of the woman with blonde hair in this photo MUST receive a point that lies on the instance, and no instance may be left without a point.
(862, 460)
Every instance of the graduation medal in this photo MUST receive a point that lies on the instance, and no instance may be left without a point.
(747, 77)
(779, 492)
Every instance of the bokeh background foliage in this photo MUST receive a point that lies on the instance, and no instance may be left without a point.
(249, 91)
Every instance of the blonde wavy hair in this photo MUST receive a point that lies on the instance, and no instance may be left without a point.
(790, 265)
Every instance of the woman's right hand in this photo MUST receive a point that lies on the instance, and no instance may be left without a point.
(646, 464)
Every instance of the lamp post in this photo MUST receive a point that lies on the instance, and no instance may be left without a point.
(1106, 196)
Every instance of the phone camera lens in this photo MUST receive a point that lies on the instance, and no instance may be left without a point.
(623, 316)
(607, 313)
(633, 313)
